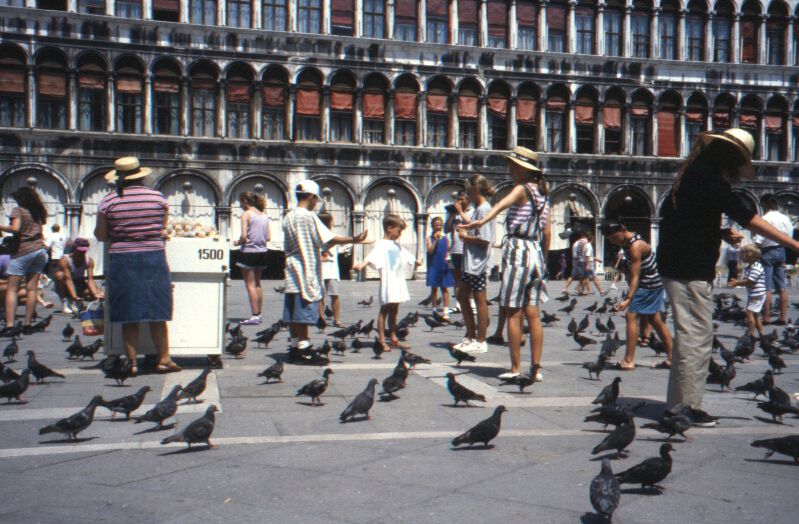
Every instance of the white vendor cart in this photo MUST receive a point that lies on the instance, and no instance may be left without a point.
(199, 277)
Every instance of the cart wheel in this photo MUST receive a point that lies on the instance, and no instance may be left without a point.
(150, 362)
(214, 361)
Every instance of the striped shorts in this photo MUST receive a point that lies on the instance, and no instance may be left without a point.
(523, 270)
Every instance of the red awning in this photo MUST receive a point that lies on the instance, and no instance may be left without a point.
(467, 107)
(773, 123)
(525, 111)
(373, 105)
(583, 114)
(308, 102)
(239, 93)
(611, 117)
(52, 84)
(341, 100)
(498, 106)
(695, 117)
(667, 136)
(436, 103)
(405, 106)
(274, 96)
(12, 81)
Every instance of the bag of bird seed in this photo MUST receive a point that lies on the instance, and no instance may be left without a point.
(92, 319)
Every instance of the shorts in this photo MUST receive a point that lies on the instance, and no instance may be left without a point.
(576, 273)
(589, 273)
(252, 259)
(80, 286)
(331, 287)
(298, 310)
(646, 301)
(456, 261)
(476, 282)
(139, 287)
(755, 304)
(523, 274)
(773, 260)
(30, 263)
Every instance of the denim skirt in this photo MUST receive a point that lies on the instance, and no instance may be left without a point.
(139, 287)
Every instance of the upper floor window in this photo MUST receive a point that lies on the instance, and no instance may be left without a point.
(129, 8)
(497, 120)
(13, 101)
(51, 102)
(775, 42)
(13, 3)
(526, 20)
(273, 111)
(526, 107)
(497, 15)
(437, 119)
(166, 103)
(307, 108)
(238, 13)
(274, 15)
(556, 28)
(203, 108)
(342, 102)
(203, 12)
(612, 122)
(467, 117)
(584, 18)
(310, 16)
(641, 134)
(668, 36)
(374, 102)
(54, 5)
(612, 22)
(640, 32)
(749, 51)
(374, 18)
(556, 125)
(342, 17)
(721, 40)
(91, 97)
(405, 20)
(129, 101)
(467, 22)
(90, 7)
(405, 117)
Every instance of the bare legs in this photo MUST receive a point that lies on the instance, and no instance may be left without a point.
(252, 280)
(514, 316)
(388, 311)
(31, 287)
(632, 336)
(159, 333)
(474, 331)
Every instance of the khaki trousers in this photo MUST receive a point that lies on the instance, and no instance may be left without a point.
(691, 302)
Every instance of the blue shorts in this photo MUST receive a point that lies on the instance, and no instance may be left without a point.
(30, 263)
(139, 287)
(298, 310)
(773, 261)
(646, 301)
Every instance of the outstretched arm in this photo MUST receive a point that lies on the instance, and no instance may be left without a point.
(516, 196)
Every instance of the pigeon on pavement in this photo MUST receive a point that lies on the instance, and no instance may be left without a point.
(391, 385)
(315, 388)
(412, 359)
(361, 404)
(650, 471)
(120, 370)
(596, 367)
(379, 348)
(460, 392)
(127, 404)
(39, 370)
(788, 445)
(485, 431)
(367, 303)
(273, 372)
(195, 388)
(605, 491)
(760, 386)
(15, 388)
(75, 349)
(674, 425)
(459, 355)
(583, 341)
(11, 350)
(163, 410)
(197, 431)
(618, 439)
(76, 423)
(609, 393)
(68, 331)
(614, 415)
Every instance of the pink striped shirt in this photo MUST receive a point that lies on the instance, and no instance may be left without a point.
(520, 219)
(135, 220)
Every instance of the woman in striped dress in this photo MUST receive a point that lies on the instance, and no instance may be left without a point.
(526, 244)
(645, 297)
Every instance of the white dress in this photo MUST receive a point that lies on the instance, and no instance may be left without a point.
(391, 260)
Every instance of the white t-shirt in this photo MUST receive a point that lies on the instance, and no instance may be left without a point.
(588, 251)
(478, 258)
(779, 221)
(304, 238)
(330, 266)
(391, 260)
(56, 243)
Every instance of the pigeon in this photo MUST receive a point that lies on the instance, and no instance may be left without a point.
(565, 298)
(609, 394)
(15, 331)
(674, 425)
(760, 386)
(745, 347)
(605, 491)
(596, 367)
(614, 415)
(591, 308)
(127, 404)
(618, 439)
(485, 431)
(197, 431)
(280, 290)
(460, 392)
(163, 410)
(656, 345)
(39, 370)
(600, 327)
(340, 347)
(568, 309)
(714, 372)
(583, 325)
(779, 396)
(315, 388)
(237, 346)
(361, 404)
(412, 359)
(7, 374)
(571, 329)
(265, 337)
(195, 388)
(90, 350)
(76, 423)
(523, 380)
(379, 348)
(602, 310)
(583, 341)
(367, 303)
(401, 369)
(459, 355)
(777, 410)
(274, 371)
(433, 323)
(321, 325)
(402, 333)
(548, 319)
(459, 324)
(650, 471)
(776, 363)
(120, 370)
(68, 332)
(611, 325)
(357, 344)
(426, 301)
(367, 329)
(788, 445)
(11, 350)
(340, 334)
(726, 376)
(235, 332)
(391, 385)
(15, 388)
(328, 311)
(441, 319)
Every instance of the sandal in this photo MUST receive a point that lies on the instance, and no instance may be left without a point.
(662, 365)
(643, 342)
(338, 324)
(619, 367)
(168, 367)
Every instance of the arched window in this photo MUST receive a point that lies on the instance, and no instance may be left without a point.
(498, 96)
(556, 27)
(667, 25)
(129, 9)
(51, 83)
(405, 103)
(584, 20)
(722, 31)
(557, 139)
(640, 28)
(527, 20)
(166, 98)
(90, 7)
(776, 28)
(695, 31)
(695, 118)
(274, 16)
(468, 94)
(613, 27)
(775, 121)
(342, 17)
(526, 109)
(203, 99)
(668, 128)
(437, 16)
(273, 112)
(750, 21)
(374, 104)
(342, 99)
(641, 124)
(374, 18)
(309, 16)
(239, 13)
(723, 108)
(405, 20)
(13, 101)
(307, 106)
(497, 15)
(239, 101)
(749, 119)
(91, 93)
(129, 95)
(437, 109)
(612, 121)
(584, 108)
(203, 12)
(467, 22)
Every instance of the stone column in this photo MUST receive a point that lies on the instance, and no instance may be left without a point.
(147, 100)
(72, 99)
(789, 138)
(541, 107)
(357, 117)
(388, 120)
(73, 212)
(682, 38)
(683, 148)
(735, 39)
(600, 29)
(421, 234)
(654, 30)
(542, 26)
(111, 103)
(761, 132)
(185, 105)
(788, 48)
(291, 12)
(257, 110)
(221, 112)
(762, 57)
(453, 21)
(358, 18)
(482, 122)
(421, 31)
(570, 128)
(289, 127)
(147, 9)
(72, 6)
(513, 27)
(30, 118)
(185, 15)
(626, 134)
(453, 121)
(357, 249)
(599, 131)
(626, 29)
(221, 12)
(421, 120)
(390, 19)
(110, 6)
(571, 29)
(654, 230)
(709, 56)
(512, 122)
(655, 136)
(324, 114)
(482, 24)
(257, 16)
(223, 220)
(326, 19)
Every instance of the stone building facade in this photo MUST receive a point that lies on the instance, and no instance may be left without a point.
(389, 104)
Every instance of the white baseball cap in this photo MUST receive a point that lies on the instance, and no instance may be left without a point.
(309, 187)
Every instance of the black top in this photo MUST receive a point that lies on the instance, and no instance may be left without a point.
(690, 232)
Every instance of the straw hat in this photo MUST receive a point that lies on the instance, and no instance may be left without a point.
(127, 168)
(525, 158)
(743, 142)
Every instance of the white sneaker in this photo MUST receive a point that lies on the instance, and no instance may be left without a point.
(539, 377)
(476, 347)
(67, 311)
(464, 343)
(613, 286)
(508, 375)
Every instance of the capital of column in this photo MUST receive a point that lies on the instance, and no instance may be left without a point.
(223, 211)
(73, 210)
(421, 218)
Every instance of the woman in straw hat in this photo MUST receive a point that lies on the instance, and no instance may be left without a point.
(688, 248)
(132, 220)
(526, 244)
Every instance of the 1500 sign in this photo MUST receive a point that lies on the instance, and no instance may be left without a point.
(210, 254)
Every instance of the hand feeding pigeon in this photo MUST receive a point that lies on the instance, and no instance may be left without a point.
(460, 392)
(68, 332)
(614, 415)
(674, 425)
(609, 393)
(459, 355)
(618, 439)
(76, 423)
(412, 359)
(195, 388)
(650, 471)
(605, 491)
(163, 410)
(274, 371)
(16, 388)
(315, 388)
(127, 404)
(361, 404)
(197, 431)
(484, 431)
(788, 445)
(39, 370)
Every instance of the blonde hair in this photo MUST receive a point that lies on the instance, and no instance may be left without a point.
(750, 249)
(253, 200)
(393, 221)
(479, 183)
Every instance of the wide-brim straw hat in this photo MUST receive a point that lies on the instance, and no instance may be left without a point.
(743, 142)
(127, 168)
(525, 158)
